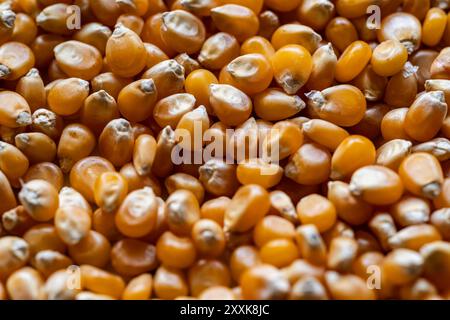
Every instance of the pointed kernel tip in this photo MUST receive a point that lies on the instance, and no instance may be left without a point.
(84, 84)
(409, 45)
(126, 2)
(33, 73)
(409, 69)
(65, 164)
(316, 97)
(104, 95)
(23, 138)
(41, 18)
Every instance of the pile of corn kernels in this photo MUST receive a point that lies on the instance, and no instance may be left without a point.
(350, 96)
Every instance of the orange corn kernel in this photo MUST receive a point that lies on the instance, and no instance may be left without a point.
(137, 214)
(422, 175)
(352, 61)
(343, 105)
(317, 210)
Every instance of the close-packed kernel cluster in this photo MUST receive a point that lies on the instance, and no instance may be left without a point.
(353, 93)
